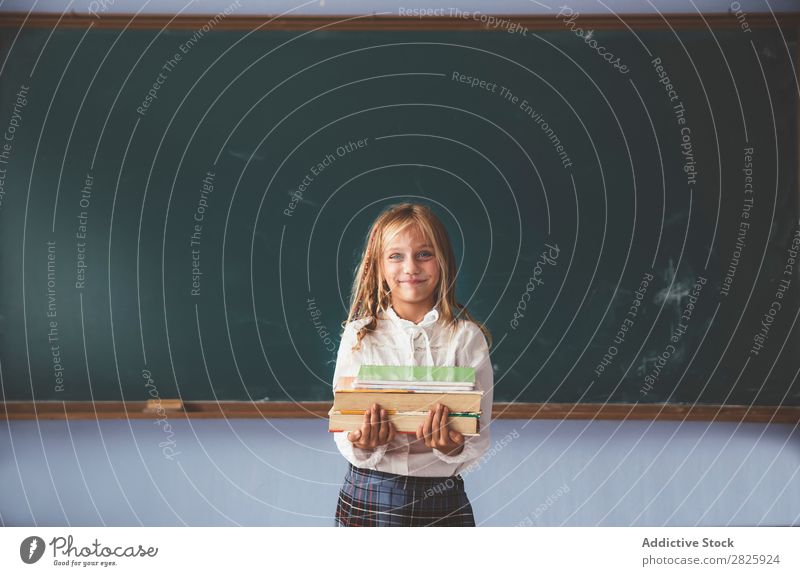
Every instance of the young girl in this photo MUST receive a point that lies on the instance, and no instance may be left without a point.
(404, 312)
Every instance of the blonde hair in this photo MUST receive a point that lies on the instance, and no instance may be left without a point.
(371, 292)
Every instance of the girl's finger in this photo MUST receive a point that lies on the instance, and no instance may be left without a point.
(444, 433)
(392, 432)
(384, 433)
(437, 426)
(426, 428)
(366, 428)
(376, 423)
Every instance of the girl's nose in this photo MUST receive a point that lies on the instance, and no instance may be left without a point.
(410, 267)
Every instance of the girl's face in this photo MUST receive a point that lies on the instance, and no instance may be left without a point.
(410, 268)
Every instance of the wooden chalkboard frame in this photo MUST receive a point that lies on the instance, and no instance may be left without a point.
(55, 410)
(381, 22)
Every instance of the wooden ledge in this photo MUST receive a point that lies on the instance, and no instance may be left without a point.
(517, 411)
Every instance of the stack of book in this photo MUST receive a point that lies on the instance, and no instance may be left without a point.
(407, 393)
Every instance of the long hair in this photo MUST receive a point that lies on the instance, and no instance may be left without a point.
(370, 292)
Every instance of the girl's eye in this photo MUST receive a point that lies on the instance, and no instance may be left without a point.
(423, 254)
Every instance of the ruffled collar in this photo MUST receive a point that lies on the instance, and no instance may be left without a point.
(412, 331)
(428, 320)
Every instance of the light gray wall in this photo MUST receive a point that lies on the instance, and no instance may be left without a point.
(288, 473)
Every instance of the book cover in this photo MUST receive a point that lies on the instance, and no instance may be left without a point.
(439, 374)
(404, 422)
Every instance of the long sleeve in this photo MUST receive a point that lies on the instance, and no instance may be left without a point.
(476, 354)
(347, 365)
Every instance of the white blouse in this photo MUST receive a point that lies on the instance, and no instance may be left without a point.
(397, 341)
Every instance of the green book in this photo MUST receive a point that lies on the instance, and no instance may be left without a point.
(445, 377)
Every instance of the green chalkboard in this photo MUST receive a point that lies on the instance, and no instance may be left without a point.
(189, 225)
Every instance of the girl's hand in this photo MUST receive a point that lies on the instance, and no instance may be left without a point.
(375, 431)
(438, 435)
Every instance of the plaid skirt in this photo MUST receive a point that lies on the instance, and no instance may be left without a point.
(372, 498)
